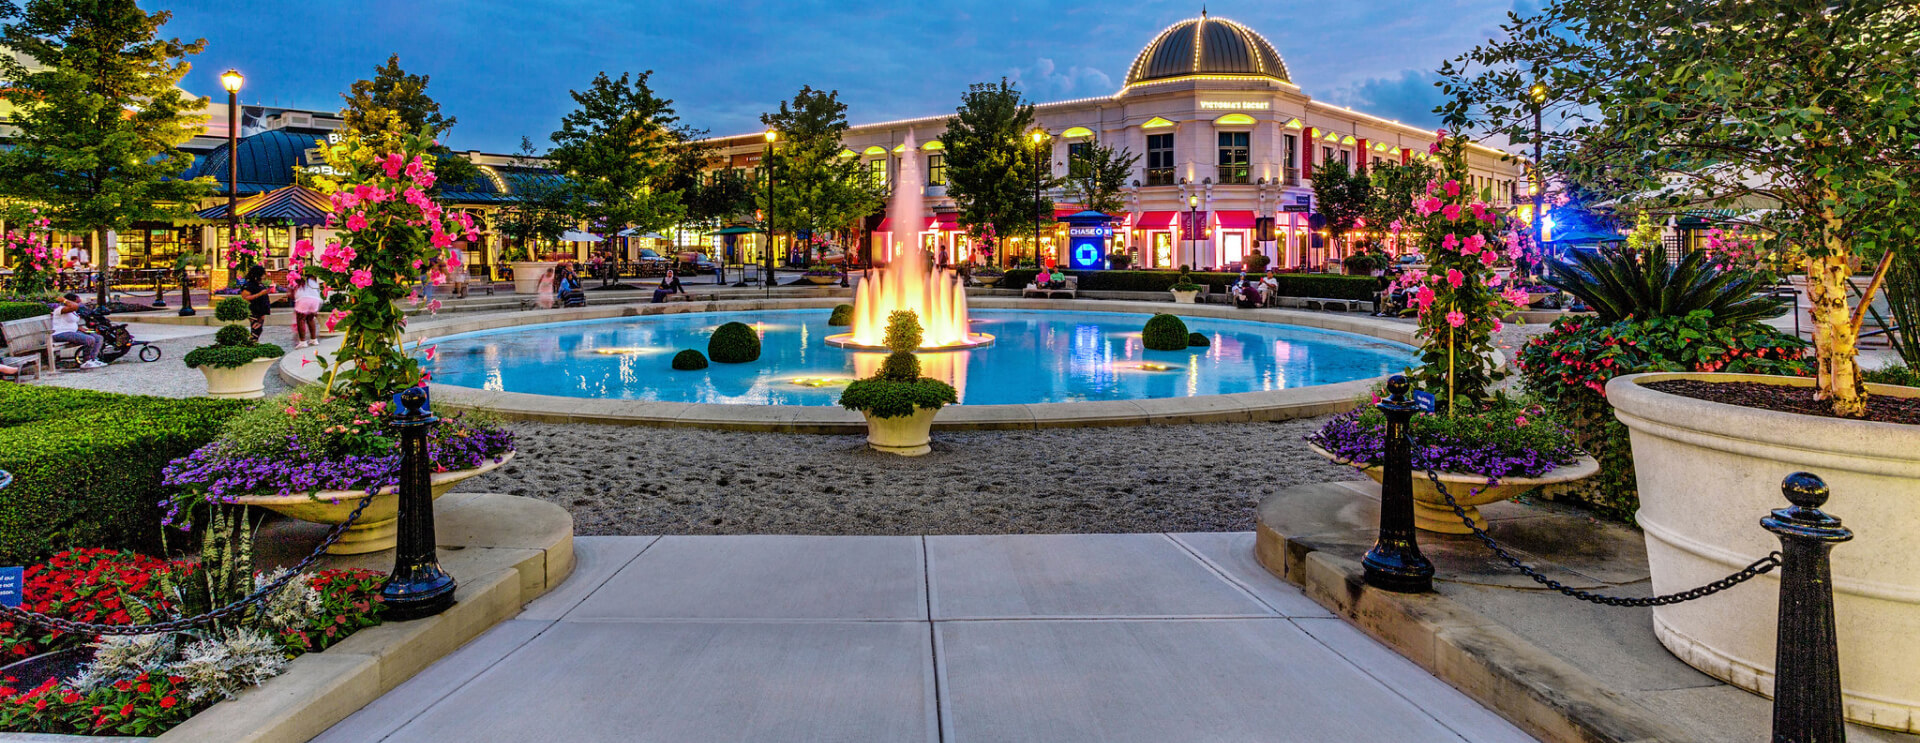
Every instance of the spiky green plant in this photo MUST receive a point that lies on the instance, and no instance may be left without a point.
(1629, 283)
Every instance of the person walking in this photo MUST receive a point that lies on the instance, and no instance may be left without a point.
(259, 299)
(307, 298)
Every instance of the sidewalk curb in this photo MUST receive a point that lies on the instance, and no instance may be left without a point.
(1534, 689)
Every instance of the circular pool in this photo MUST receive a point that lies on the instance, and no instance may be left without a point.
(1043, 356)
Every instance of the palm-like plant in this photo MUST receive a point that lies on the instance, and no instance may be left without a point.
(1621, 283)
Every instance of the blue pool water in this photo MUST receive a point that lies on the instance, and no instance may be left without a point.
(1038, 356)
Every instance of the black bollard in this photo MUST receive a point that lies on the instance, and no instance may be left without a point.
(1395, 562)
(1806, 682)
(186, 294)
(418, 587)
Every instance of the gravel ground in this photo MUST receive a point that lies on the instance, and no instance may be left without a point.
(639, 480)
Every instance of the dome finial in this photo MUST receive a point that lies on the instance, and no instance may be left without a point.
(1203, 10)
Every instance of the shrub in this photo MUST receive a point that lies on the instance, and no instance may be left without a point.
(689, 360)
(1184, 283)
(1198, 340)
(898, 389)
(900, 365)
(1018, 277)
(903, 331)
(1325, 286)
(842, 315)
(233, 335)
(1164, 333)
(1258, 262)
(232, 309)
(734, 343)
(1567, 369)
(87, 469)
(1617, 284)
(232, 357)
(1903, 376)
(10, 311)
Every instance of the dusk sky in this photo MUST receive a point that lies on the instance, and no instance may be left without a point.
(504, 68)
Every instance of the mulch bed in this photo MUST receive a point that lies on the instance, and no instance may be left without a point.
(1784, 399)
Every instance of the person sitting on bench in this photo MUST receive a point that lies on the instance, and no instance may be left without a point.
(669, 285)
(66, 329)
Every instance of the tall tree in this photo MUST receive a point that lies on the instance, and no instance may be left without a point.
(816, 190)
(541, 208)
(991, 168)
(1341, 197)
(1394, 189)
(394, 104)
(1098, 174)
(1803, 105)
(99, 120)
(616, 146)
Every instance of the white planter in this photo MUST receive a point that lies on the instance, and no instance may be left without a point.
(907, 435)
(1708, 472)
(1184, 297)
(377, 526)
(244, 382)
(1430, 510)
(526, 275)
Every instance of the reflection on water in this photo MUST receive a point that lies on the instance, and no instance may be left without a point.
(1039, 357)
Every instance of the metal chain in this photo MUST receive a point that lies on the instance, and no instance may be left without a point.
(198, 620)
(1762, 565)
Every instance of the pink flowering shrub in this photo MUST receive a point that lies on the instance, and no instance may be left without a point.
(34, 263)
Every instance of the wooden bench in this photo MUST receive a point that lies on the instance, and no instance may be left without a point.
(31, 336)
(1071, 290)
(23, 364)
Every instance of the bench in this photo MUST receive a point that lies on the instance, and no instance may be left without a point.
(31, 336)
(1070, 290)
(23, 364)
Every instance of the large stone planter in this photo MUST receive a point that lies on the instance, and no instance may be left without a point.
(907, 435)
(818, 280)
(1180, 297)
(377, 526)
(1708, 472)
(526, 275)
(1430, 510)
(245, 382)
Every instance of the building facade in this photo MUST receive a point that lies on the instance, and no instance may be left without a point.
(1225, 139)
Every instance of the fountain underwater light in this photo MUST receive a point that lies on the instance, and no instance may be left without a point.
(908, 283)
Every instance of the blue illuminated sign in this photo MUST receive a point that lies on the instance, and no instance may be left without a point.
(12, 586)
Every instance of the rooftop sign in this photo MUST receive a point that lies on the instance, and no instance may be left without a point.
(1235, 105)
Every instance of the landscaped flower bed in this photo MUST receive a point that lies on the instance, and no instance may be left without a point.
(1506, 439)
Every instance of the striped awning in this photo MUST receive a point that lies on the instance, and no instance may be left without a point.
(292, 204)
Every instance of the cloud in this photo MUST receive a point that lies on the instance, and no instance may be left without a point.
(1409, 97)
(1044, 81)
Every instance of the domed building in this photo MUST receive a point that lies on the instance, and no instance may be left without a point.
(1226, 141)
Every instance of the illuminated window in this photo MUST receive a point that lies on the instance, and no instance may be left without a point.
(1233, 157)
(1156, 123)
(1076, 132)
(877, 171)
(937, 170)
(1234, 120)
(1076, 150)
(1159, 159)
(1291, 154)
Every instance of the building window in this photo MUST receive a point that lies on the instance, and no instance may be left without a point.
(1326, 155)
(1346, 158)
(877, 171)
(936, 170)
(1160, 159)
(1233, 157)
(1076, 151)
(1292, 157)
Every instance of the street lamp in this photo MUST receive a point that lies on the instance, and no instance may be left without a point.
(1039, 135)
(1193, 203)
(1535, 185)
(773, 135)
(231, 80)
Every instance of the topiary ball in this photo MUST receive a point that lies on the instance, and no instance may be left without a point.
(1196, 340)
(901, 366)
(734, 343)
(232, 309)
(1164, 333)
(689, 360)
(233, 335)
(842, 315)
(903, 330)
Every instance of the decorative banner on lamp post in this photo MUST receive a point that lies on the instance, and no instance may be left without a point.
(1193, 222)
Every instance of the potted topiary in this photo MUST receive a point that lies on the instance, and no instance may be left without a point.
(842, 315)
(1119, 261)
(1184, 290)
(987, 275)
(1257, 262)
(734, 343)
(235, 365)
(1165, 332)
(899, 403)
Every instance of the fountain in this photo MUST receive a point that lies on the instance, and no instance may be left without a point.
(908, 282)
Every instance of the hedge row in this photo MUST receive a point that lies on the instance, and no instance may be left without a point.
(86, 466)
(10, 311)
(1317, 285)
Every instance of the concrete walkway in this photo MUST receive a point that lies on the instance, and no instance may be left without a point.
(1059, 638)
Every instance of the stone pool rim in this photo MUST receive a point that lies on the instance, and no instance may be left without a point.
(1264, 405)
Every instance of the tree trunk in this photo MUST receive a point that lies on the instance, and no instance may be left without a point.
(100, 263)
(1836, 341)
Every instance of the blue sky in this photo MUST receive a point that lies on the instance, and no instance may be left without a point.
(504, 67)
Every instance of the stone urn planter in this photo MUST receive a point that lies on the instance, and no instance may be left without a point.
(907, 435)
(377, 526)
(819, 280)
(1180, 297)
(1708, 472)
(34, 670)
(245, 382)
(987, 280)
(1430, 511)
(526, 275)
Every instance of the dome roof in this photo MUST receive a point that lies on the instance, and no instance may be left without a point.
(1207, 46)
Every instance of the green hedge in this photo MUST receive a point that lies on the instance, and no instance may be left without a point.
(86, 466)
(1317, 285)
(10, 311)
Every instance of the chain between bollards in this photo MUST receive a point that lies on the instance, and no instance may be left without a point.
(418, 586)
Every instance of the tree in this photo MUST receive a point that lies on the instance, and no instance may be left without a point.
(615, 145)
(99, 123)
(817, 190)
(1341, 196)
(991, 169)
(1098, 174)
(1808, 107)
(1395, 186)
(395, 104)
(541, 207)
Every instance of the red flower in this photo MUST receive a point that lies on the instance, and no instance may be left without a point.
(126, 710)
(167, 702)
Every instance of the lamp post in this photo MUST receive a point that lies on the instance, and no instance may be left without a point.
(773, 135)
(1534, 185)
(1039, 136)
(1193, 204)
(231, 80)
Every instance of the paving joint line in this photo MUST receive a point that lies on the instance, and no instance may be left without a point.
(1391, 688)
(1222, 574)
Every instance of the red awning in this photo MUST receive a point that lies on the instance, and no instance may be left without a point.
(946, 221)
(1060, 213)
(1230, 220)
(1154, 221)
(886, 225)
